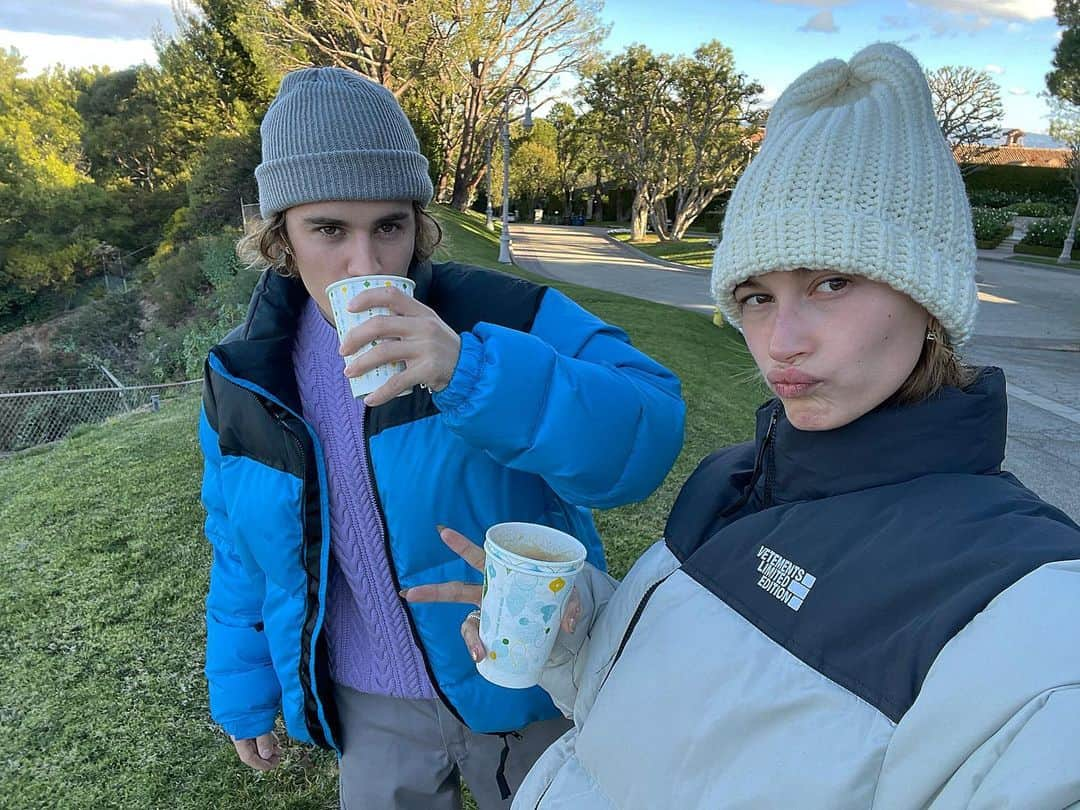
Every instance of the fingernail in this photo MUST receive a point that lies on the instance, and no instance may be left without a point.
(477, 654)
(404, 593)
(572, 623)
(439, 528)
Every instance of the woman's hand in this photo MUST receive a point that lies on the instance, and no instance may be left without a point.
(263, 753)
(469, 594)
(428, 347)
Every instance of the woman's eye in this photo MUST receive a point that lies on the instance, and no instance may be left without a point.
(833, 285)
(389, 227)
(755, 300)
(330, 230)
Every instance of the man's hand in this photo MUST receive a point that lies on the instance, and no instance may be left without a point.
(412, 333)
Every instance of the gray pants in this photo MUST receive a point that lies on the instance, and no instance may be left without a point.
(400, 754)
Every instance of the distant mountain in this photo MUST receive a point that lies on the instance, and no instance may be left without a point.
(1040, 140)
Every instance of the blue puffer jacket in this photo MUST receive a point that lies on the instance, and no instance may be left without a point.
(550, 411)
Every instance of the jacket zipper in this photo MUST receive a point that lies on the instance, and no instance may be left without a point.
(622, 645)
(279, 413)
(770, 461)
(633, 623)
(369, 477)
(766, 459)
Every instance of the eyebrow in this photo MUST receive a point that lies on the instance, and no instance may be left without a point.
(322, 222)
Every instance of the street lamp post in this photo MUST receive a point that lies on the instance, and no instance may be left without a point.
(490, 224)
(515, 94)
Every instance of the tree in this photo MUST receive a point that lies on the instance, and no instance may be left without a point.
(628, 96)
(533, 164)
(571, 151)
(677, 127)
(45, 236)
(121, 129)
(967, 104)
(1064, 80)
(1065, 127)
(711, 133)
(456, 59)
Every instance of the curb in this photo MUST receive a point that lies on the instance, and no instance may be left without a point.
(682, 268)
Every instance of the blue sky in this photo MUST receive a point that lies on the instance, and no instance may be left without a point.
(773, 40)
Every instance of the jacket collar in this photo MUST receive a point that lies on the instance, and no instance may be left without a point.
(955, 431)
(260, 350)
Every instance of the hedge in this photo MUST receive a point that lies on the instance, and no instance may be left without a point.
(1042, 250)
(1025, 180)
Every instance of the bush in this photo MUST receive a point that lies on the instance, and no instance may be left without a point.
(1040, 250)
(1025, 181)
(1049, 233)
(989, 223)
(1037, 209)
(105, 332)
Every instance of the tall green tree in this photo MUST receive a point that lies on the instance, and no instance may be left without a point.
(45, 234)
(571, 151)
(628, 95)
(710, 128)
(1064, 80)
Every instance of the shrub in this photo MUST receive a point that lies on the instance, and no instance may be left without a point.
(989, 223)
(1037, 209)
(1047, 232)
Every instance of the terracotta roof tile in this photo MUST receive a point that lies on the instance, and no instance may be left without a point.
(1014, 156)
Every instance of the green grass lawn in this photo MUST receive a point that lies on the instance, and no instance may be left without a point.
(696, 251)
(102, 697)
(1021, 258)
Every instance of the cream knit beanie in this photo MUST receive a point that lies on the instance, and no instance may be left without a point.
(855, 176)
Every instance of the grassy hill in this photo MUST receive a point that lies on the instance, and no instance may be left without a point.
(102, 697)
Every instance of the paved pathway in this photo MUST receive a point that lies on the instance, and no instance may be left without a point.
(1029, 324)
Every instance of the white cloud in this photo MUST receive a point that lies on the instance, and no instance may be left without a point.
(998, 69)
(822, 23)
(1014, 28)
(107, 19)
(1018, 91)
(44, 50)
(1023, 10)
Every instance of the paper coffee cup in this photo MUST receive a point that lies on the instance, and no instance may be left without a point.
(528, 576)
(340, 294)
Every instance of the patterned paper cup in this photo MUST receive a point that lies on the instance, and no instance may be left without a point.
(340, 294)
(528, 576)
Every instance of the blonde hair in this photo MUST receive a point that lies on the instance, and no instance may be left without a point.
(265, 244)
(939, 365)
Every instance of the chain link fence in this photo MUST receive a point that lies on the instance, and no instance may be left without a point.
(29, 418)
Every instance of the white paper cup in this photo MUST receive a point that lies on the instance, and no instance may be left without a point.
(528, 575)
(340, 294)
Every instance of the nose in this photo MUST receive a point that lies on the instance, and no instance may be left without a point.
(361, 258)
(792, 332)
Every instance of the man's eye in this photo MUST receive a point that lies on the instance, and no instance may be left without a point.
(389, 227)
(330, 230)
(754, 300)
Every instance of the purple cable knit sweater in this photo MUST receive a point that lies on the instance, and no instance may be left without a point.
(371, 647)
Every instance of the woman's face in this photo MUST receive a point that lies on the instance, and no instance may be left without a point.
(831, 346)
(334, 240)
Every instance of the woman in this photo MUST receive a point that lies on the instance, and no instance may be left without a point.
(320, 508)
(858, 609)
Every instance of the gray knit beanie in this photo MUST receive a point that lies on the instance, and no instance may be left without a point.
(331, 134)
(855, 176)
